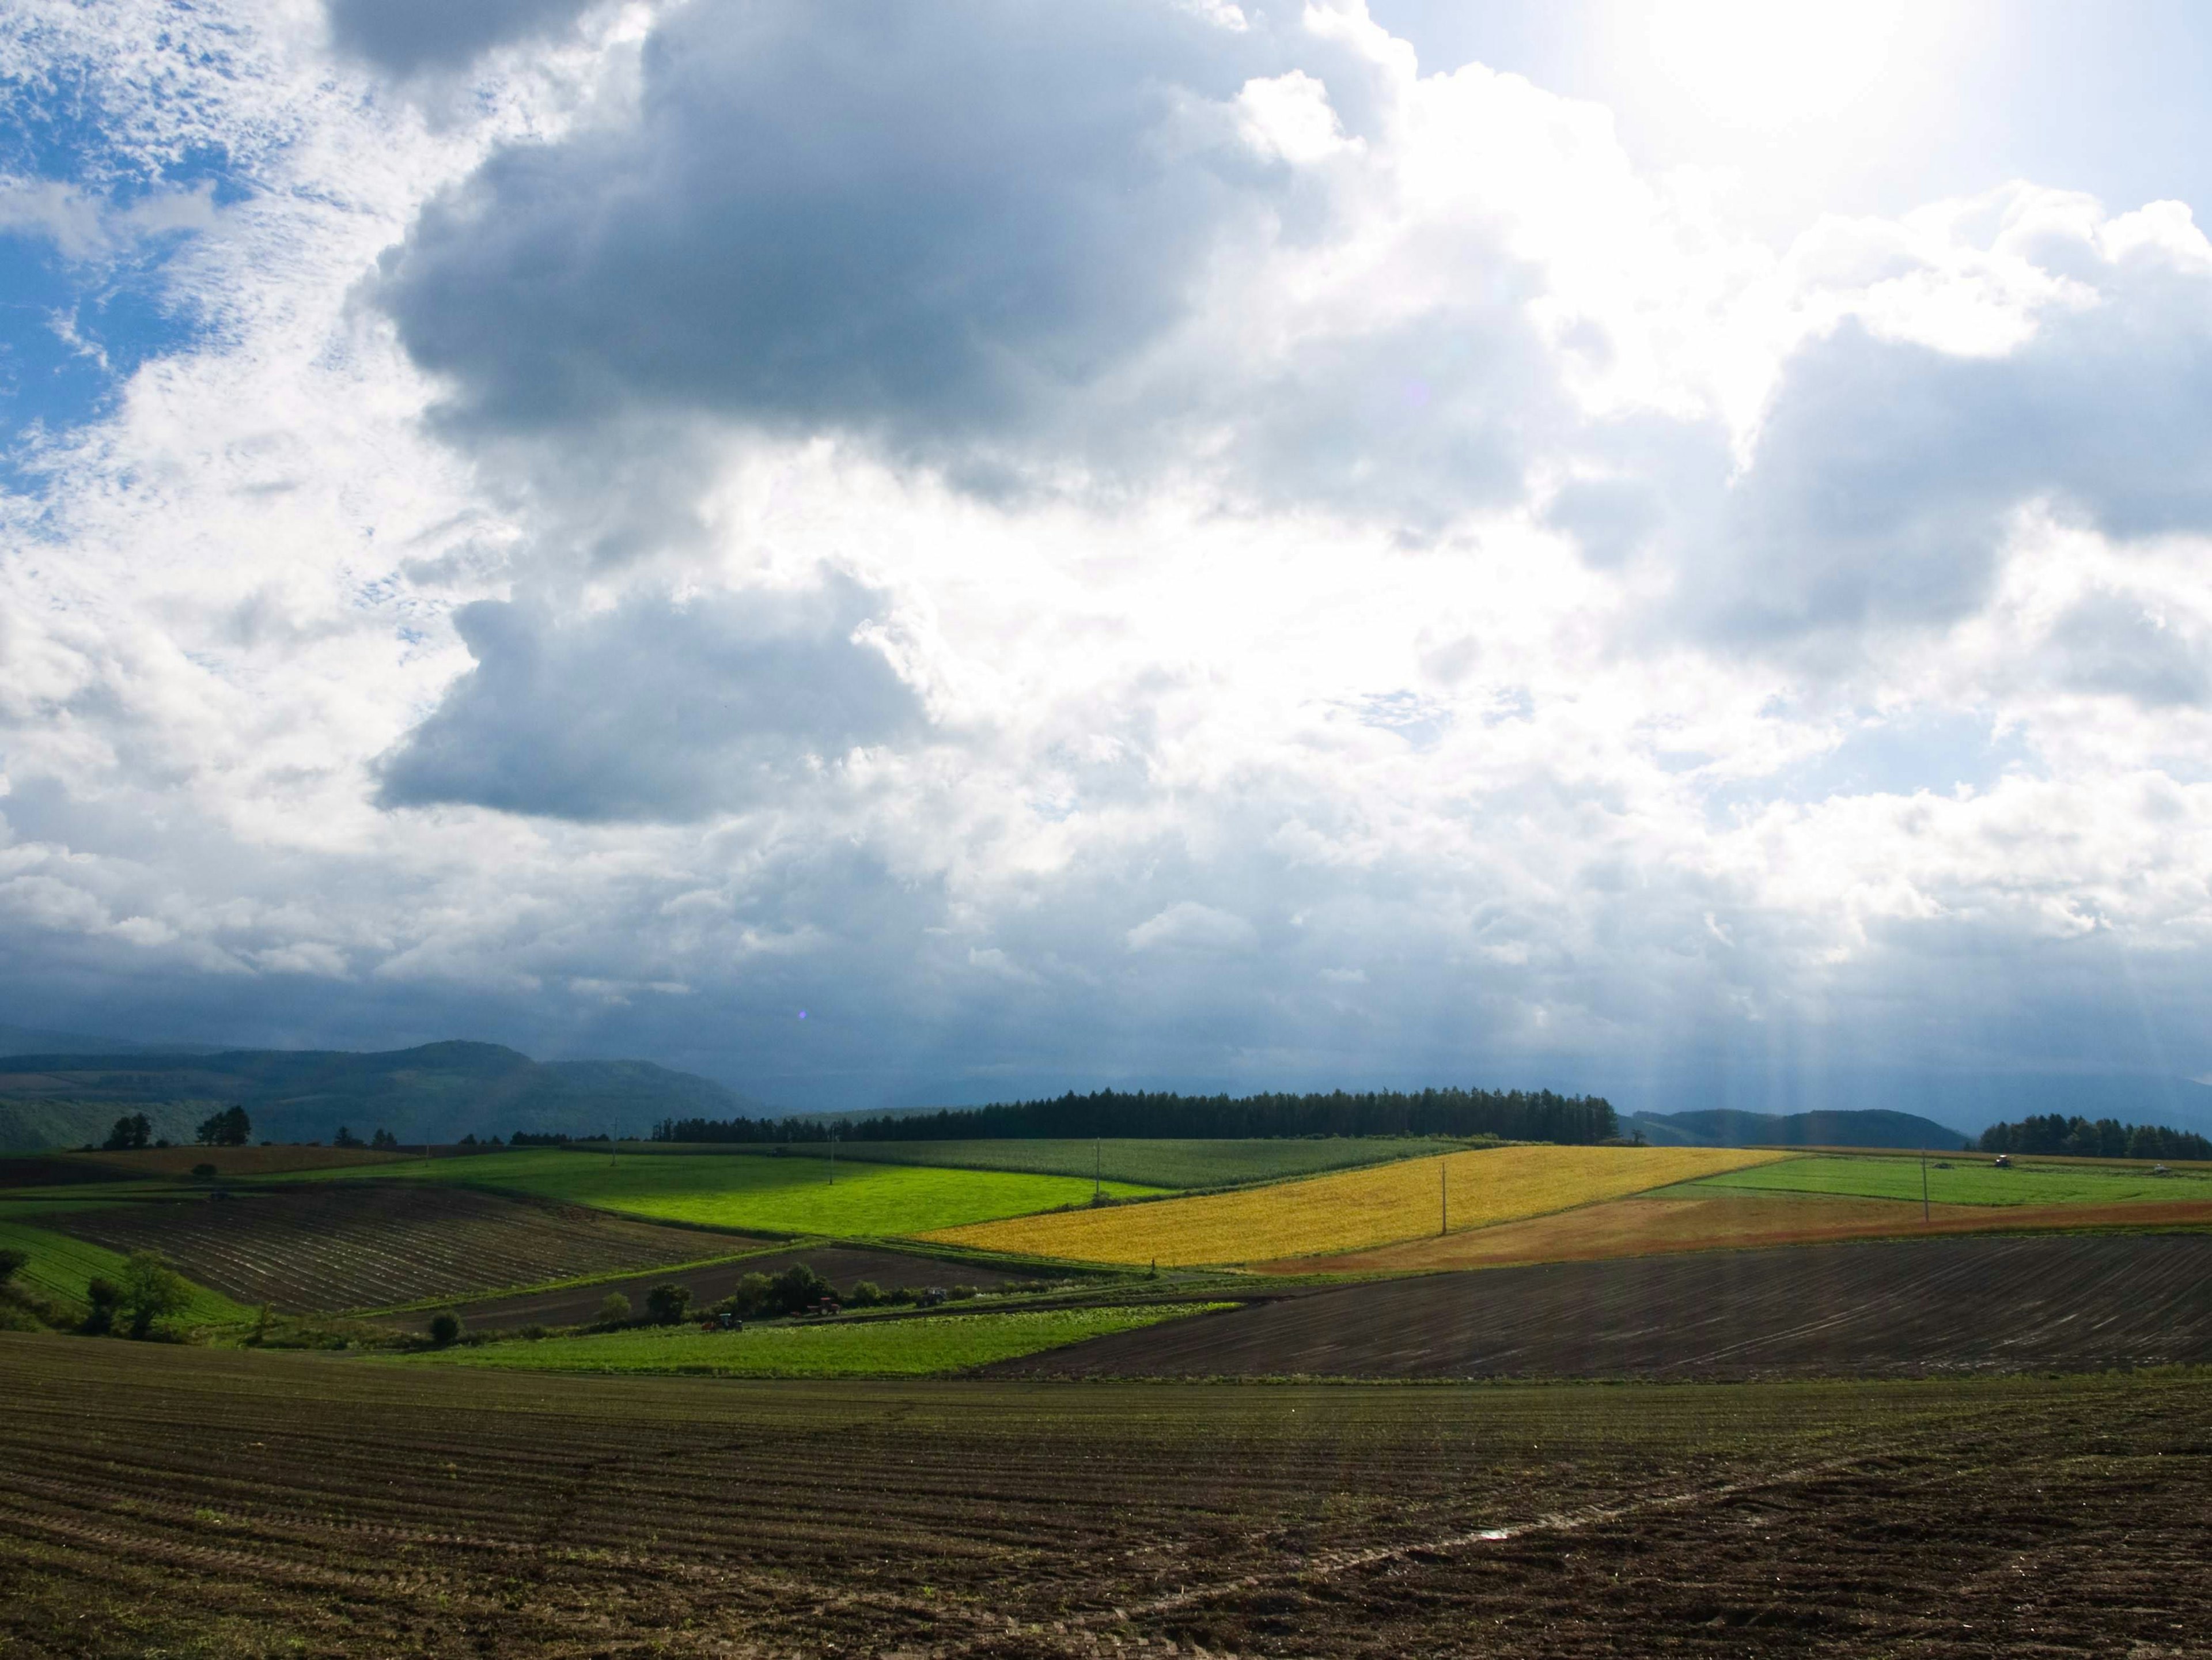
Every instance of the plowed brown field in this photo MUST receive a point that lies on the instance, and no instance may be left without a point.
(1638, 1227)
(163, 1501)
(334, 1245)
(840, 1265)
(1909, 1309)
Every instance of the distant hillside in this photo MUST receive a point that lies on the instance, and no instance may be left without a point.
(437, 1093)
(1871, 1128)
(29, 1040)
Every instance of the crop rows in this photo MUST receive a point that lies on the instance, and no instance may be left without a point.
(1354, 1208)
(1962, 1180)
(190, 1501)
(342, 1245)
(1157, 1163)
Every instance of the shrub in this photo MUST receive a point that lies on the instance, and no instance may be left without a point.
(532, 1331)
(754, 1294)
(12, 1263)
(205, 1172)
(798, 1287)
(865, 1294)
(151, 1291)
(667, 1303)
(961, 1293)
(444, 1328)
(106, 1296)
(614, 1309)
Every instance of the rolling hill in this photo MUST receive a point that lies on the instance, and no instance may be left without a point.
(435, 1093)
(1872, 1127)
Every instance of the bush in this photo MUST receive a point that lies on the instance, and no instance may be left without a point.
(12, 1263)
(799, 1287)
(755, 1294)
(961, 1293)
(106, 1296)
(445, 1328)
(614, 1309)
(205, 1172)
(864, 1294)
(152, 1290)
(667, 1304)
(532, 1331)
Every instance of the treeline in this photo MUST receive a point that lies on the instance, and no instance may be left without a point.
(2104, 1137)
(1510, 1115)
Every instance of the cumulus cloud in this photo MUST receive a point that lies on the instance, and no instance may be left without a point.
(653, 710)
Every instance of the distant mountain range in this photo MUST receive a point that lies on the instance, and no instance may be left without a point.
(1872, 1127)
(435, 1093)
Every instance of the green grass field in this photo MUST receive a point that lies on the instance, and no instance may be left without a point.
(59, 1267)
(1975, 1182)
(756, 1191)
(872, 1348)
(1154, 1164)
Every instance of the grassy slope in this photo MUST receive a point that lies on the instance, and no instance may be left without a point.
(1966, 1183)
(781, 1195)
(881, 1348)
(1156, 1163)
(59, 1267)
(1352, 1209)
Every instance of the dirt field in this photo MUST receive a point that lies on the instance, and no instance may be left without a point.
(203, 1503)
(236, 1161)
(840, 1266)
(43, 1171)
(325, 1246)
(1903, 1308)
(1637, 1227)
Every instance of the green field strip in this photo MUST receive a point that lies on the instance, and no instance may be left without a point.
(1958, 1181)
(761, 1193)
(61, 1267)
(911, 1348)
(1182, 1166)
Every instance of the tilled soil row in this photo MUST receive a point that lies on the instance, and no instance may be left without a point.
(196, 1501)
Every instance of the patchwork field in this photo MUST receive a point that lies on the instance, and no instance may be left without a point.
(1916, 1308)
(1701, 1216)
(59, 1267)
(761, 1193)
(840, 1265)
(1959, 1180)
(902, 1347)
(1352, 1209)
(1152, 1164)
(327, 1246)
(339, 1509)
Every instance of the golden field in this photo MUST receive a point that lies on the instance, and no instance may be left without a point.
(1351, 1210)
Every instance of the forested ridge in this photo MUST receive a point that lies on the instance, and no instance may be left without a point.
(1511, 1114)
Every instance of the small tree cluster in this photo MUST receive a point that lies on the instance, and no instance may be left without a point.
(345, 1138)
(129, 1134)
(150, 1290)
(228, 1129)
(384, 1140)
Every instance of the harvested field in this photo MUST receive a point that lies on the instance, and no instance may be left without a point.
(200, 1502)
(322, 1246)
(1694, 1219)
(903, 1346)
(1351, 1210)
(840, 1265)
(1913, 1308)
(237, 1161)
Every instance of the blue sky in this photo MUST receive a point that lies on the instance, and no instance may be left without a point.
(1652, 546)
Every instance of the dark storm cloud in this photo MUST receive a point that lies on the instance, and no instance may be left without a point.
(409, 36)
(651, 711)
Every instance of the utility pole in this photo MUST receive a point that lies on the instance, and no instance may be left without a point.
(1923, 1184)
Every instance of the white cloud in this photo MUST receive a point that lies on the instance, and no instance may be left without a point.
(1230, 560)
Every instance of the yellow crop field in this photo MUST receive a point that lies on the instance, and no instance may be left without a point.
(1352, 1209)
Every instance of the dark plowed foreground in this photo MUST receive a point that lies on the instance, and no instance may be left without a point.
(158, 1500)
(322, 1246)
(1865, 1310)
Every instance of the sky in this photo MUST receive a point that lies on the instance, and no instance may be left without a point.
(905, 554)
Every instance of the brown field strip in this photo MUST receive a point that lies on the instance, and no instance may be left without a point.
(234, 1161)
(157, 1500)
(325, 1246)
(1892, 1308)
(1351, 1209)
(1729, 1220)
